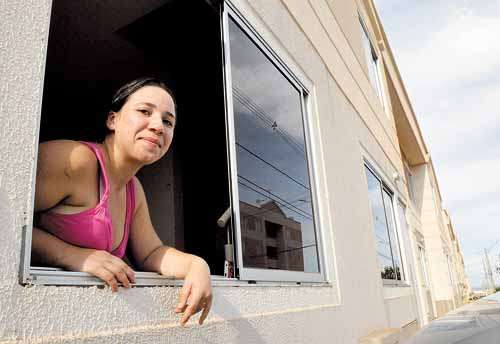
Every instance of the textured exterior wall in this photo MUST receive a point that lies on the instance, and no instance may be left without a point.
(348, 124)
(437, 243)
(346, 15)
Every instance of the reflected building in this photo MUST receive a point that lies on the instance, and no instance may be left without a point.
(271, 240)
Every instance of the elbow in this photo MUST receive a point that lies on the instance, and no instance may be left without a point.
(152, 262)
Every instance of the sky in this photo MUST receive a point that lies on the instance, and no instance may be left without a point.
(448, 53)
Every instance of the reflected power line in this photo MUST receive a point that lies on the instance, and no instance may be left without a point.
(271, 165)
(282, 204)
(300, 199)
(284, 251)
(269, 192)
(244, 100)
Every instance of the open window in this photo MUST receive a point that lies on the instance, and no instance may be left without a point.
(372, 62)
(384, 226)
(236, 186)
(94, 47)
(272, 194)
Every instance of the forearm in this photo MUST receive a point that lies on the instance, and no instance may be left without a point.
(171, 262)
(49, 249)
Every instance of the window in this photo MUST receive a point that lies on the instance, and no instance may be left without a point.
(271, 161)
(272, 252)
(250, 224)
(388, 245)
(372, 63)
(423, 266)
(93, 48)
(272, 229)
(256, 138)
(450, 270)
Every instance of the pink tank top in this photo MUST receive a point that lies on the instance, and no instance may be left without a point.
(92, 228)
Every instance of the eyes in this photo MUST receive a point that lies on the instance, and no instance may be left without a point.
(166, 121)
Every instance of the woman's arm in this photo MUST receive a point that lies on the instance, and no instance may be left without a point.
(152, 255)
(63, 168)
(51, 250)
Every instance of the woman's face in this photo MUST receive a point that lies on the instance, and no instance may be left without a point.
(144, 126)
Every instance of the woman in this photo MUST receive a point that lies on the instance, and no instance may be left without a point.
(90, 204)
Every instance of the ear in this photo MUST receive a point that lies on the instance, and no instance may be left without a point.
(110, 121)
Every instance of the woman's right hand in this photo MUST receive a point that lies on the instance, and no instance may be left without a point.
(49, 249)
(101, 264)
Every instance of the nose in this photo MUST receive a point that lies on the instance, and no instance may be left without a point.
(156, 123)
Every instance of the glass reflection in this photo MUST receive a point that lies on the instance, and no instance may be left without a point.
(393, 237)
(276, 214)
(403, 231)
(380, 227)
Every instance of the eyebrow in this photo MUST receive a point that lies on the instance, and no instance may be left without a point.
(168, 113)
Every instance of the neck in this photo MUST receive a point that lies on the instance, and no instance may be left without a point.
(120, 169)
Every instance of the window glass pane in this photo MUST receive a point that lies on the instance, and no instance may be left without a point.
(371, 62)
(380, 226)
(273, 179)
(403, 230)
(393, 236)
(450, 270)
(423, 266)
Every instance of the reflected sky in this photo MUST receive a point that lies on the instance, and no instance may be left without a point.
(270, 144)
(388, 261)
(393, 237)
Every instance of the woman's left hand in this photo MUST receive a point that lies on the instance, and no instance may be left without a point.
(196, 293)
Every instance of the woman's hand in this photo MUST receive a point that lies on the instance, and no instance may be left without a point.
(196, 293)
(50, 250)
(103, 265)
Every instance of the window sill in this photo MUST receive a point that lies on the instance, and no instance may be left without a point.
(59, 277)
(393, 283)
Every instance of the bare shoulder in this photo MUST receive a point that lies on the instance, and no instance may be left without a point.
(70, 157)
(62, 166)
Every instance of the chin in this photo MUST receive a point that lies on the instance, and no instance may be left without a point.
(148, 160)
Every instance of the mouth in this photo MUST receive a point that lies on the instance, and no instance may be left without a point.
(152, 141)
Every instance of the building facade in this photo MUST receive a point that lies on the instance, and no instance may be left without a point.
(293, 118)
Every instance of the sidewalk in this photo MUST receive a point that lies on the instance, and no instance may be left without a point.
(477, 323)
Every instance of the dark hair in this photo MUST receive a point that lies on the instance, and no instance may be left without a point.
(121, 96)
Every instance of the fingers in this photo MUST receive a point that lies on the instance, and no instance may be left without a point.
(190, 310)
(183, 297)
(110, 269)
(205, 312)
(108, 277)
(195, 304)
(123, 273)
(130, 273)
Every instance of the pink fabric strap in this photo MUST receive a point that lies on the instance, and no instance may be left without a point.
(92, 228)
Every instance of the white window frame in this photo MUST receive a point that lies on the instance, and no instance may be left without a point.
(423, 265)
(405, 241)
(29, 275)
(254, 274)
(396, 196)
(375, 61)
(451, 274)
